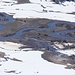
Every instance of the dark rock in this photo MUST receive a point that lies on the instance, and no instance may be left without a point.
(23, 1)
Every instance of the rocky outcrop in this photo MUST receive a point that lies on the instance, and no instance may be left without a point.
(55, 57)
(2, 54)
(60, 58)
(23, 1)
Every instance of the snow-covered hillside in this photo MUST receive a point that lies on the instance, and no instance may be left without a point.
(31, 63)
(48, 10)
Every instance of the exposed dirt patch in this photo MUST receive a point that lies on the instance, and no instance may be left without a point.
(59, 58)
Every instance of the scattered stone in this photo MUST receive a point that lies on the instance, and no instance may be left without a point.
(2, 54)
(12, 71)
(14, 59)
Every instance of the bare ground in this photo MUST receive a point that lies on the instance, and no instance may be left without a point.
(37, 39)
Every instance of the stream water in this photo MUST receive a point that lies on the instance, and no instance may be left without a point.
(2, 27)
(5, 18)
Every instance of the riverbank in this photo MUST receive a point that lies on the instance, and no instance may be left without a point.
(29, 38)
(39, 30)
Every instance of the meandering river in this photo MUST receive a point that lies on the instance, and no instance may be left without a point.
(51, 26)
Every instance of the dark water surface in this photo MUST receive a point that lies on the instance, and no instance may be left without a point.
(5, 18)
(2, 27)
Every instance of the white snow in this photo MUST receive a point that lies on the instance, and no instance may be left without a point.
(35, 10)
(68, 51)
(9, 1)
(9, 45)
(32, 64)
